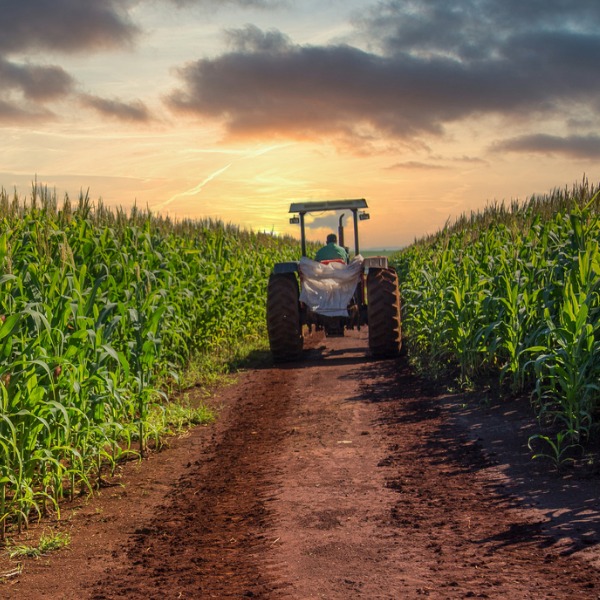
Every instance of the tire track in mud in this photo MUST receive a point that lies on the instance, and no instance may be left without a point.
(209, 539)
(340, 477)
(336, 477)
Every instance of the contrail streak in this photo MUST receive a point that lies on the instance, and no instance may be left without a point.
(198, 188)
(194, 190)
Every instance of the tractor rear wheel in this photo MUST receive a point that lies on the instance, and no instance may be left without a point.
(383, 313)
(283, 317)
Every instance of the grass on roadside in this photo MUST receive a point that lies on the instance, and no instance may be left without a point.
(188, 404)
(48, 542)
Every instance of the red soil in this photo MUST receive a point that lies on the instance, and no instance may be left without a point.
(336, 477)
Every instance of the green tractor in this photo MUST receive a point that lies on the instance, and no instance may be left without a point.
(303, 294)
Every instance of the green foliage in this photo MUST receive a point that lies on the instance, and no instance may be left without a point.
(49, 542)
(514, 294)
(557, 450)
(175, 417)
(101, 314)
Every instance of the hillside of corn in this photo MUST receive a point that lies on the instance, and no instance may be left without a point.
(510, 296)
(101, 314)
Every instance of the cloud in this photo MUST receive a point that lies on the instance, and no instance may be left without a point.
(133, 111)
(413, 165)
(39, 83)
(470, 30)
(252, 39)
(11, 113)
(408, 72)
(573, 146)
(268, 85)
(433, 64)
(328, 221)
(65, 25)
(267, 4)
(26, 89)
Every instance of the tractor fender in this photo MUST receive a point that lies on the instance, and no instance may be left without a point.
(285, 267)
(375, 262)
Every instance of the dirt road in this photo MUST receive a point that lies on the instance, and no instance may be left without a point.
(336, 477)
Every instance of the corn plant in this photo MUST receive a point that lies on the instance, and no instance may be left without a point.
(514, 294)
(101, 312)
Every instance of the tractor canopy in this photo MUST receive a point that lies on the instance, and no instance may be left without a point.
(354, 206)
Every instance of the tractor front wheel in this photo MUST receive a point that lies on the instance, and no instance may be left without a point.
(283, 317)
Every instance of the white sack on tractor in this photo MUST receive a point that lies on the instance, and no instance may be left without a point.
(328, 288)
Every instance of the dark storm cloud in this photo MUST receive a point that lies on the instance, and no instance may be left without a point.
(428, 65)
(133, 111)
(574, 146)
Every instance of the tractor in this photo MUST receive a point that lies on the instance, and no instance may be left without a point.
(372, 296)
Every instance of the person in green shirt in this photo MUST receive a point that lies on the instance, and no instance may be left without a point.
(331, 251)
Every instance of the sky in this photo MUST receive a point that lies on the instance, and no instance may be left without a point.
(234, 109)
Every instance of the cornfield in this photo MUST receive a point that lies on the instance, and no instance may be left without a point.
(513, 294)
(99, 309)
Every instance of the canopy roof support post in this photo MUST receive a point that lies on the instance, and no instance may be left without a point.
(355, 216)
(302, 234)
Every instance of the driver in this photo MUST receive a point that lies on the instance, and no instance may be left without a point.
(331, 251)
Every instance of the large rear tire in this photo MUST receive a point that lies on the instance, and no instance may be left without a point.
(383, 313)
(283, 317)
